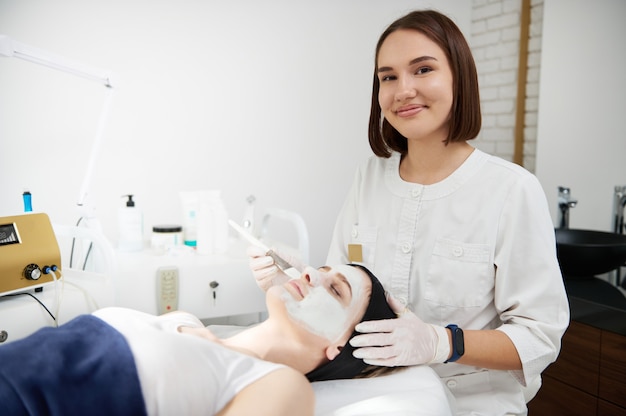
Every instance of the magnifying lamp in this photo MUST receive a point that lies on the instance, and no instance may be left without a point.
(11, 48)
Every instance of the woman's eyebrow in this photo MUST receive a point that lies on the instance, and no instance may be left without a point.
(412, 62)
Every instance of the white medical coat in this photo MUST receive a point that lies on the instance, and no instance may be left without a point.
(477, 250)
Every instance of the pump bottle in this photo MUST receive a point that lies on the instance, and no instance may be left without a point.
(130, 226)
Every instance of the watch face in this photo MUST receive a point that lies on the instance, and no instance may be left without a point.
(460, 342)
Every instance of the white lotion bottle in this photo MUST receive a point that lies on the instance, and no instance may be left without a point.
(130, 226)
(212, 223)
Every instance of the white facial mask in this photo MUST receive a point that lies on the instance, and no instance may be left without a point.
(320, 312)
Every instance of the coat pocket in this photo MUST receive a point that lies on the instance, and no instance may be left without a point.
(460, 274)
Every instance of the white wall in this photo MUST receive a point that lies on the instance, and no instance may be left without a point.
(582, 104)
(269, 98)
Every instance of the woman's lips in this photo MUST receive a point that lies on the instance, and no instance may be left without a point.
(294, 284)
(409, 110)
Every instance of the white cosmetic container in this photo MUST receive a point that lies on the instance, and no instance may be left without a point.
(166, 237)
(205, 221)
(130, 221)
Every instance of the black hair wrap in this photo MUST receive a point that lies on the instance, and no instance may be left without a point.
(345, 365)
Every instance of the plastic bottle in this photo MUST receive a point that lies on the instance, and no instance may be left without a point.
(212, 225)
(190, 201)
(130, 226)
(28, 201)
(221, 239)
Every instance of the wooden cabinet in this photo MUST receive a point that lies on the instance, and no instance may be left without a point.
(558, 398)
(612, 380)
(588, 378)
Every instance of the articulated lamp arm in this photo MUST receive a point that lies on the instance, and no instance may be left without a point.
(11, 48)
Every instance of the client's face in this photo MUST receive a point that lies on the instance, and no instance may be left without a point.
(327, 302)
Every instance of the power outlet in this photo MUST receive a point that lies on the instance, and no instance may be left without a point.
(167, 289)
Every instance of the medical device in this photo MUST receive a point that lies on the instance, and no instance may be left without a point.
(29, 253)
(280, 262)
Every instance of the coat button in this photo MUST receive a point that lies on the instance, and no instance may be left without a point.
(457, 251)
(406, 248)
(355, 233)
(416, 192)
(451, 383)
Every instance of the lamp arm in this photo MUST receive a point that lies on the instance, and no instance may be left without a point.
(95, 148)
(11, 48)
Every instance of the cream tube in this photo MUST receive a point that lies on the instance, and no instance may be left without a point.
(190, 202)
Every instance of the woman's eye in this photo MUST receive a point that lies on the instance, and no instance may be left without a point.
(423, 70)
(387, 78)
(334, 289)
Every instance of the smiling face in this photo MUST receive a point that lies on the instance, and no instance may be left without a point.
(416, 85)
(327, 302)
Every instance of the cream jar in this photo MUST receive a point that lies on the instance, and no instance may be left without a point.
(166, 237)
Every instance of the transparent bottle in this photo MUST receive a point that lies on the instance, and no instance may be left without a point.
(130, 220)
(212, 224)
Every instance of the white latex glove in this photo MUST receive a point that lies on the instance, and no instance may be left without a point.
(404, 341)
(265, 271)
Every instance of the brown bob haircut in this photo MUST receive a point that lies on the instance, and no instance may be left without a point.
(465, 117)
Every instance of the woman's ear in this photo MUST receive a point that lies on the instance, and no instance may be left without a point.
(332, 351)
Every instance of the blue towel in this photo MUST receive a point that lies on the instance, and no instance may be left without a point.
(84, 367)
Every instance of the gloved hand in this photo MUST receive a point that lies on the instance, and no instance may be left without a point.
(265, 271)
(404, 341)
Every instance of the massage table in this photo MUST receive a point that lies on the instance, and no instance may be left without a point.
(413, 391)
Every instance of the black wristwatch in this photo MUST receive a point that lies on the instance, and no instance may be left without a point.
(458, 343)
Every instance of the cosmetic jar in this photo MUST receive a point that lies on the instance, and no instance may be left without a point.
(165, 237)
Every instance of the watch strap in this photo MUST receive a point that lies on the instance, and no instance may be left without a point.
(458, 343)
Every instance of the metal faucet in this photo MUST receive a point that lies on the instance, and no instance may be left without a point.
(565, 202)
(619, 203)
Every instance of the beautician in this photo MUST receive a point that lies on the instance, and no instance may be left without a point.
(462, 240)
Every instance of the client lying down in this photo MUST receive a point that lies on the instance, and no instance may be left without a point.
(125, 362)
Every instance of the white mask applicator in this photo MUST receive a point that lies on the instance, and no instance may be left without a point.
(279, 261)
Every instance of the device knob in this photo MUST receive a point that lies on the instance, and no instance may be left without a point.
(32, 272)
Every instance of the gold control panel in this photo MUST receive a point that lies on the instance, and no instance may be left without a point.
(28, 252)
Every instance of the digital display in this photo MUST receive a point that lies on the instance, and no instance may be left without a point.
(8, 234)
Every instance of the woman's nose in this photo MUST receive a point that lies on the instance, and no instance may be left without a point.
(311, 275)
(406, 89)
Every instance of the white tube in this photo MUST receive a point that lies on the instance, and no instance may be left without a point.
(205, 221)
(190, 202)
